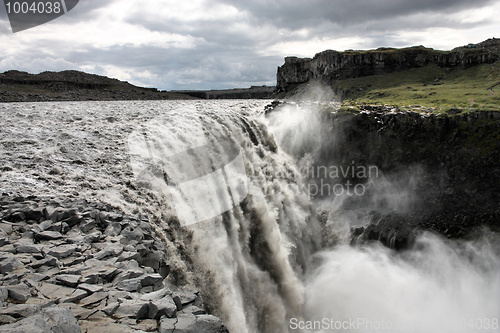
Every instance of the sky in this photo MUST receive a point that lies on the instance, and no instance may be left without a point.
(220, 44)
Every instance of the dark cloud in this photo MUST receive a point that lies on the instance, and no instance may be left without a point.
(228, 43)
(306, 14)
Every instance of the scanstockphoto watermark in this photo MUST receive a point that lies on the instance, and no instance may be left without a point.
(363, 324)
(32, 13)
(338, 180)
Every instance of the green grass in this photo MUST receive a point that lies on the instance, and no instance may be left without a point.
(477, 87)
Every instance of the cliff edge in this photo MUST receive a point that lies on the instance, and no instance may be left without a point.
(332, 65)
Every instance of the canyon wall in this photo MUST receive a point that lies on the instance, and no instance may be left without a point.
(333, 65)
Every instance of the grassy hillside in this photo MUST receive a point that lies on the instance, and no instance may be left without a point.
(476, 87)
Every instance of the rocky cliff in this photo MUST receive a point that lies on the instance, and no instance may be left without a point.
(333, 65)
(414, 170)
(18, 86)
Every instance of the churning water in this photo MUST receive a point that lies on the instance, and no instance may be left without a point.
(251, 241)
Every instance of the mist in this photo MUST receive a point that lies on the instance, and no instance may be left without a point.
(432, 285)
(437, 286)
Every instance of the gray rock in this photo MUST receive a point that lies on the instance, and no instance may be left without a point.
(156, 295)
(186, 297)
(164, 307)
(189, 323)
(68, 280)
(126, 256)
(19, 293)
(111, 308)
(134, 284)
(90, 288)
(6, 319)
(53, 319)
(20, 310)
(61, 251)
(60, 293)
(9, 264)
(78, 311)
(47, 235)
(4, 294)
(132, 309)
(23, 247)
(87, 225)
(92, 237)
(113, 250)
(192, 309)
(49, 261)
(151, 279)
(113, 229)
(75, 296)
(93, 299)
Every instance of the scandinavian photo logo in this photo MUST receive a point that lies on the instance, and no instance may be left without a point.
(203, 176)
(32, 13)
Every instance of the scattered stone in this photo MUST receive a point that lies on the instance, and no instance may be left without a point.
(68, 280)
(50, 319)
(112, 251)
(18, 293)
(93, 299)
(61, 251)
(134, 284)
(9, 264)
(47, 235)
(132, 309)
(20, 310)
(90, 288)
(49, 261)
(151, 279)
(24, 247)
(61, 258)
(164, 307)
(146, 325)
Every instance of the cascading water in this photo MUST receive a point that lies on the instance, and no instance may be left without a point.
(250, 255)
(259, 262)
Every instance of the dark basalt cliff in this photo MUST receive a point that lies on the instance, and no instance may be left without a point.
(450, 164)
(434, 172)
(332, 65)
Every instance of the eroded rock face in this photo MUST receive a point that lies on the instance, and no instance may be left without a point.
(333, 65)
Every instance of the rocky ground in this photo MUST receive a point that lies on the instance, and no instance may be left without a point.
(75, 266)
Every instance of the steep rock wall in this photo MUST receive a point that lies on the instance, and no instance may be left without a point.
(333, 65)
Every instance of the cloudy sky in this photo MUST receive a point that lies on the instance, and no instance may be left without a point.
(215, 44)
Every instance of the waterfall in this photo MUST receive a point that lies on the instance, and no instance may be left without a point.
(259, 254)
(252, 226)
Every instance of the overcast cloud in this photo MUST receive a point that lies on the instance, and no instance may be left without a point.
(217, 44)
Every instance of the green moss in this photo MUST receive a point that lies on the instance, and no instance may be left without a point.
(432, 86)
